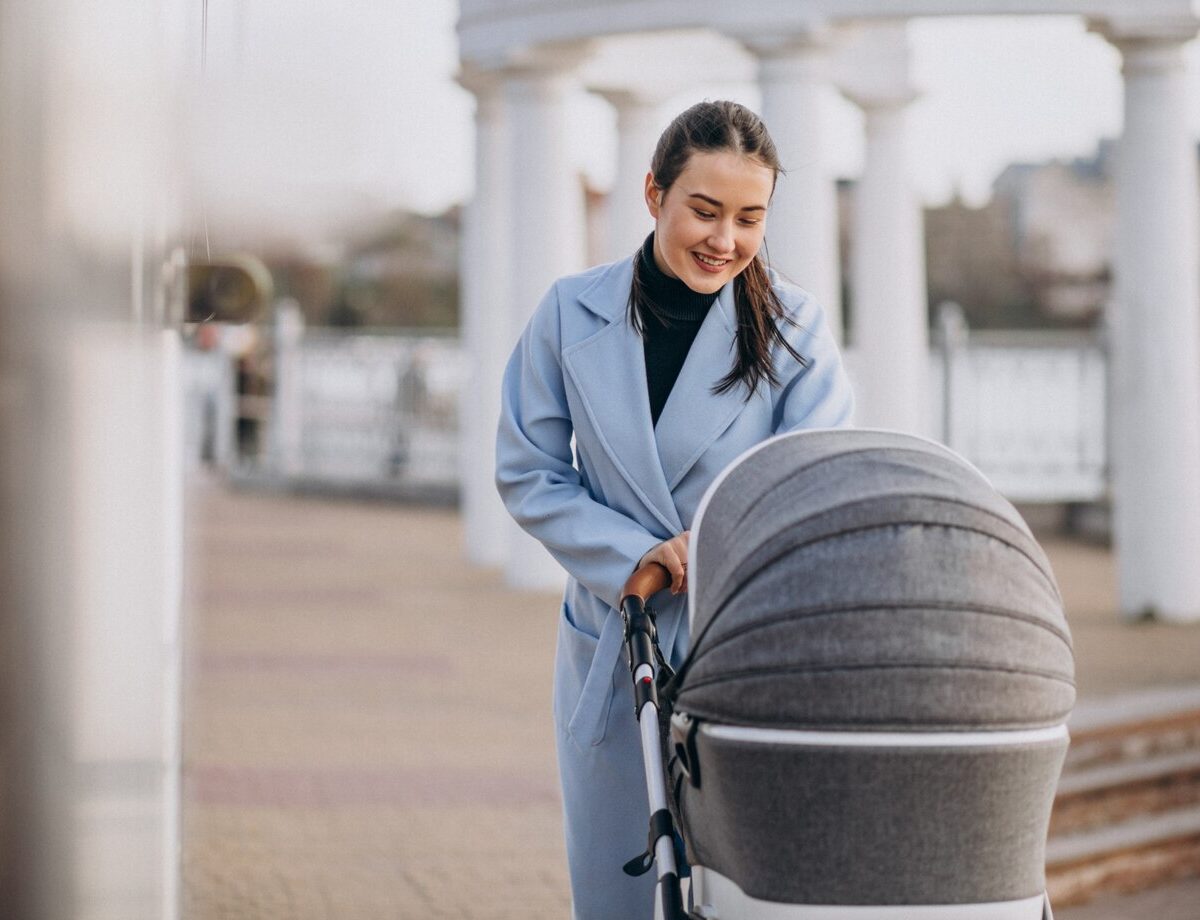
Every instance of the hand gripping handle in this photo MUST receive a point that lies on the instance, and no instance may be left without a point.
(645, 582)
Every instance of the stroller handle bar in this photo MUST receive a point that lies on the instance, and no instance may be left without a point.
(645, 582)
(641, 646)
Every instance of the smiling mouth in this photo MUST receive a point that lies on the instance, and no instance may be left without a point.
(710, 261)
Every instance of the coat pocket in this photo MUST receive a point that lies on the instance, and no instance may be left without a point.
(584, 668)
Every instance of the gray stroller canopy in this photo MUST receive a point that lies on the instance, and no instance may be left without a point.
(872, 709)
(870, 580)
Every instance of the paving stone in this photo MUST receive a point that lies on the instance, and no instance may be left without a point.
(367, 727)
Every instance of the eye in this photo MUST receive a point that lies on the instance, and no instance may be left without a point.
(704, 215)
(750, 221)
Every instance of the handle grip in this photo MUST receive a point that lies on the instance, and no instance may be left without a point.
(646, 581)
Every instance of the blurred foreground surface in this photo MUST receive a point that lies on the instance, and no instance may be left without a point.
(367, 729)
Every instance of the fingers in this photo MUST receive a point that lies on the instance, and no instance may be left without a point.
(681, 548)
(674, 552)
(671, 555)
(676, 565)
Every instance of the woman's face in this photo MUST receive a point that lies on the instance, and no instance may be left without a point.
(709, 225)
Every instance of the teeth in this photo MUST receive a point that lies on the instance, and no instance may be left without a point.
(708, 261)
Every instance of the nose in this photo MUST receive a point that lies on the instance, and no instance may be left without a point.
(721, 238)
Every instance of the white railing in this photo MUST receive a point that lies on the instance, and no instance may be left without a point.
(344, 409)
(376, 407)
(1029, 410)
(381, 410)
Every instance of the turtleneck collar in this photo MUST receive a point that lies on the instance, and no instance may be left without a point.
(672, 298)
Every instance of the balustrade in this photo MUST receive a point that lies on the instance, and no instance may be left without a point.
(1028, 409)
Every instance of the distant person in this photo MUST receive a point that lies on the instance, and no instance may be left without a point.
(251, 387)
(664, 366)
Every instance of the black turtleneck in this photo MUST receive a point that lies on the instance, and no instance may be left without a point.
(669, 328)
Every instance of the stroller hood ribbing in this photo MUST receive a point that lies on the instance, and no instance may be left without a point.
(863, 579)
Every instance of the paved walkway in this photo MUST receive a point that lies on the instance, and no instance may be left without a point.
(367, 720)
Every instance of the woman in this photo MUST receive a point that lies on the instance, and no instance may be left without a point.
(664, 367)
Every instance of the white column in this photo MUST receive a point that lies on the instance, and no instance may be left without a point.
(889, 315)
(639, 125)
(485, 256)
(121, 658)
(546, 224)
(287, 406)
(90, 464)
(1155, 333)
(802, 229)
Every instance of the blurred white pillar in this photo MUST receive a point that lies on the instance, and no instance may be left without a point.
(287, 404)
(1155, 329)
(125, 565)
(485, 259)
(91, 512)
(802, 229)
(639, 125)
(546, 224)
(889, 317)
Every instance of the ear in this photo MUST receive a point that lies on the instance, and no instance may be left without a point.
(653, 196)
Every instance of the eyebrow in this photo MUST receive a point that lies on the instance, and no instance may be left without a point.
(718, 204)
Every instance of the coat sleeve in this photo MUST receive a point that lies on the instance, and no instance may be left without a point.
(816, 394)
(535, 475)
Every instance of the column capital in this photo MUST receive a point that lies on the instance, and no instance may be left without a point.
(546, 64)
(487, 86)
(562, 58)
(794, 56)
(627, 98)
(1148, 44)
(544, 74)
(881, 101)
(815, 37)
(874, 69)
(478, 80)
(1135, 29)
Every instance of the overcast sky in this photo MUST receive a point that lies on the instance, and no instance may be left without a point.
(359, 108)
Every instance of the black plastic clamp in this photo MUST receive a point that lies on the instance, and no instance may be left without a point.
(683, 742)
(661, 825)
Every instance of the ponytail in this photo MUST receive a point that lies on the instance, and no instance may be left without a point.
(759, 314)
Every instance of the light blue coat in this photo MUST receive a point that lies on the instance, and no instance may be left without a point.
(579, 370)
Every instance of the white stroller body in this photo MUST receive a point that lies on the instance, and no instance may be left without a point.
(871, 719)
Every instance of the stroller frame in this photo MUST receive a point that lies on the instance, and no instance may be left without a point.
(647, 667)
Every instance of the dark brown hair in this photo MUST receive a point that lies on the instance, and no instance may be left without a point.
(711, 127)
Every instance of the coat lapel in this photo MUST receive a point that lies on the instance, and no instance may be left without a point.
(694, 416)
(609, 372)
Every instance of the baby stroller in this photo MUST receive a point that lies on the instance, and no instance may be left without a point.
(871, 719)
